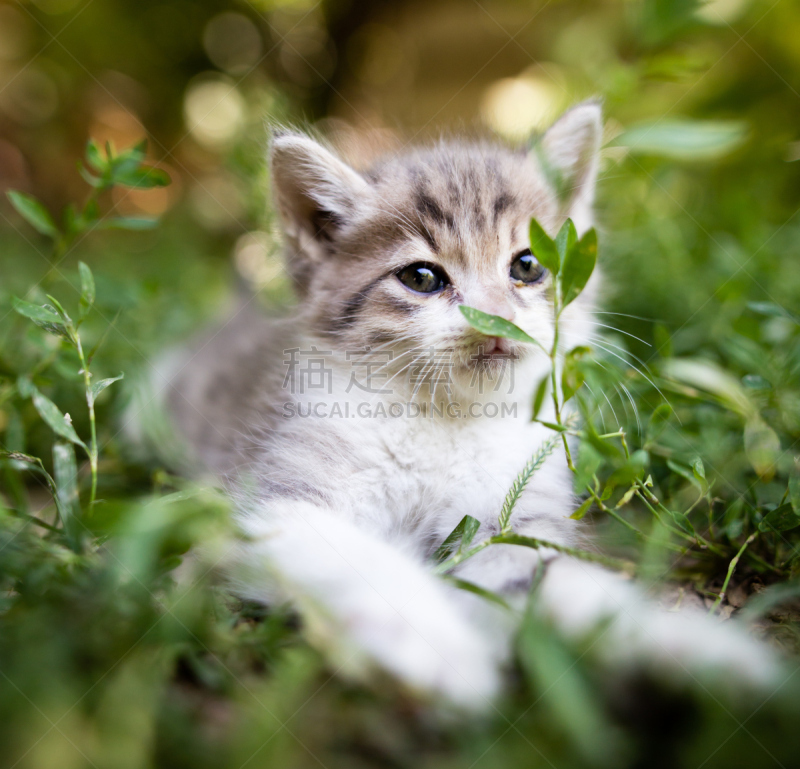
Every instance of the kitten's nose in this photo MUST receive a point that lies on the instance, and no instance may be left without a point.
(497, 307)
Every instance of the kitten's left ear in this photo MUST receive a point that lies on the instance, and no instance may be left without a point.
(316, 192)
(568, 153)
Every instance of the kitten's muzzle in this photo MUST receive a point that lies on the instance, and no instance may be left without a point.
(496, 345)
(491, 350)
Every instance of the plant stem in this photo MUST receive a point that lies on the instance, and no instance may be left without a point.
(92, 452)
(511, 538)
(731, 568)
(553, 379)
(638, 532)
(643, 493)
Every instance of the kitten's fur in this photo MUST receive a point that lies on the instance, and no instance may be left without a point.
(344, 511)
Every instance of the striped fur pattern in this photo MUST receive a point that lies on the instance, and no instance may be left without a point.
(343, 502)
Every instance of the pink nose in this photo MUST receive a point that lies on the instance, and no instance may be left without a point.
(499, 308)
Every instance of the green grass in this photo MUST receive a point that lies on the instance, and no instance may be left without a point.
(119, 646)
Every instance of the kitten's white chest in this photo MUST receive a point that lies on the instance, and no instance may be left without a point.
(423, 477)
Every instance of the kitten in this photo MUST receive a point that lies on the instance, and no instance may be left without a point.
(358, 432)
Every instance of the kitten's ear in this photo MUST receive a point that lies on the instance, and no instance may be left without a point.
(568, 153)
(316, 193)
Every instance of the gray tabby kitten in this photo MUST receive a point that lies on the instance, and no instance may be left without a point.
(357, 433)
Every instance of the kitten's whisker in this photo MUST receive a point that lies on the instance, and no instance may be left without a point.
(633, 406)
(403, 368)
(622, 315)
(620, 331)
(422, 377)
(622, 401)
(599, 407)
(635, 368)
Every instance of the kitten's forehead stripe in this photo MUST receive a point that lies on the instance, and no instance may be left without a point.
(429, 239)
(501, 204)
(428, 207)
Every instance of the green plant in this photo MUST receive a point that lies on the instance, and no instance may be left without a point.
(125, 169)
(571, 263)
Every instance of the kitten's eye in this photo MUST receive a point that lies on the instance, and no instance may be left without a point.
(526, 269)
(423, 278)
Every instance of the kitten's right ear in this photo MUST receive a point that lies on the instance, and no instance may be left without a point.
(568, 155)
(316, 193)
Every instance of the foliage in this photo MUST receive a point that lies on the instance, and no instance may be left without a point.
(119, 649)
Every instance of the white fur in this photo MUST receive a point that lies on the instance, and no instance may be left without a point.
(342, 510)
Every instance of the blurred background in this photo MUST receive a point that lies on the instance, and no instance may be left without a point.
(700, 245)
(202, 80)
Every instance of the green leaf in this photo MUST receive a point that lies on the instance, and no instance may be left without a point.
(94, 157)
(578, 267)
(552, 426)
(782, 518)
(131, 158)
(572, 376)
(462, 534)
(62, 313)
(631, 470)
(770, 309)
(65, 471)
(493, 325)
(686, 473)
(42, 315)
(682, 520)
(699, 469)
(39, 314)
(566, 239)
(139, 150)
(762, 446)
(589, 462)
(543, 248)
(603, 445)
(708, 376)
(55, 419)
(98, 387)
(25, 387)
(582, 510)
(34, 213)
(128, 223)
(471, 587)
(91, 180)
(87, 288)
(684, 139)
(143, 177)
(554, 674)
(538, 398)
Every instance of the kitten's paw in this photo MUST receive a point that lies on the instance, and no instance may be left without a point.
(693, 644)
(633, 632)
(434, 654)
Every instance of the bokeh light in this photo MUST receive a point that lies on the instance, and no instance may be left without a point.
(232, 42)
(515, 107)
(215, 110)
